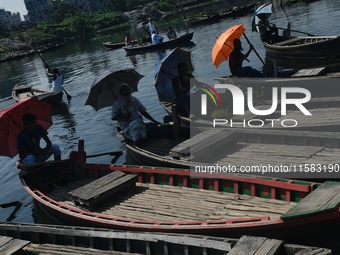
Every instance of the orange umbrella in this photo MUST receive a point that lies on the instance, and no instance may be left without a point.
(224, 44)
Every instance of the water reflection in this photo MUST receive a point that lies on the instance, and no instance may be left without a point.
(160, 54)
(133, 60)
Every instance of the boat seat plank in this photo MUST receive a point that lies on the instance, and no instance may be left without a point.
(251, 245)
(204, 142)
(10, 245)
(309, 72)
(94, 192)
(325, 198)
(313, 251)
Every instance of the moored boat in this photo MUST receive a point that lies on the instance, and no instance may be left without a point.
(63, 240)
(305, 46)
(20, 92)
(114, 45)
(237, 12)
(181, 40)
(180, 200)
(223, 145)
(204, 20)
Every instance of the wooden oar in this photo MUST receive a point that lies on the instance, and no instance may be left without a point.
(46, 163)
(257, 54)
(68, 96)
(296, 31)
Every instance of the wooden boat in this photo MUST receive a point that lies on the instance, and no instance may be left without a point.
(114, 45)
(233, 147)
(203, 20)
(170, 200)
(184, 39)
(237, 12)
(305, 46)
(20, 92)
(118, 45)
(210, 19)
(320, 81)
(64, 240)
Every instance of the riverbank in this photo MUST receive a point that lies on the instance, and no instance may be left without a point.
(11, 49)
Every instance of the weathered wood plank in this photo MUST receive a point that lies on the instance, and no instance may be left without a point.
(309, 72)
(94, 192)
(12, 246)
(250, 245)
(205, 141)
(324, 198)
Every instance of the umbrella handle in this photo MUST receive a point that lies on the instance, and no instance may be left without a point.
(257, 54)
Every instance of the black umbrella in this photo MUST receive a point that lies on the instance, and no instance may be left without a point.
(105, 88)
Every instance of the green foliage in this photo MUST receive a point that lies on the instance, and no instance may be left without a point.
(102, 20)
(165, 5)
(4, 32)
(62, 10)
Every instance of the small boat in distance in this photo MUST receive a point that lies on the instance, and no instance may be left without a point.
(184, 39)
(114, 45)
(20, 92)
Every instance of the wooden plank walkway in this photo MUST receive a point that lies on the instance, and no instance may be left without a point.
(170, 204)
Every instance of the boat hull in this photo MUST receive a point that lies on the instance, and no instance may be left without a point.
(182, 40)
(82, 238)
(307, 47)
(287, 191)
(20, 92)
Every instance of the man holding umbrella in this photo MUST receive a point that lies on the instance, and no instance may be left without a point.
(128, 111)
(236, 60)
(268, 32)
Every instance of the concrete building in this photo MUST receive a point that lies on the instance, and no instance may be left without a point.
(39, 10)
(10, 19)
(42, 10)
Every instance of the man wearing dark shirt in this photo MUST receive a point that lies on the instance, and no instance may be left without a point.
(236, 59)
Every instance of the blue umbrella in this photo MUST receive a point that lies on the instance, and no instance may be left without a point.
(266, 9)
(166, 70)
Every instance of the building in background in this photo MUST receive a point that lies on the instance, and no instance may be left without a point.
(10, 19)
(39, 10)
(42, 10)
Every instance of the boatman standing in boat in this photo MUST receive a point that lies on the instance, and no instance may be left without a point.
(151, 27)
(57, 80)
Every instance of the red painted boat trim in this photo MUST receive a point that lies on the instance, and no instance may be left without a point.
(190, 226)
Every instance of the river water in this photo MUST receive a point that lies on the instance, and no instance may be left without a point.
(80, 63)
